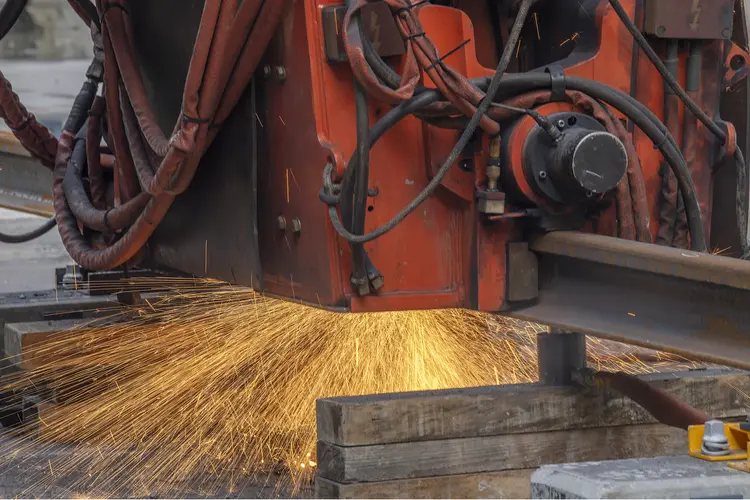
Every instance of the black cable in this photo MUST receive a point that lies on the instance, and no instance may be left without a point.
(645, 119)
(743, 202)
(515, 84)
(361, 178)
(466, 136)
(31, 235)
(9, 14)
(363, 270)
(90, 9)
(665, 74)
(655, 130)
(381, 68)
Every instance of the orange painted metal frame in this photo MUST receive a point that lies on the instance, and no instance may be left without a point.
(443, 255)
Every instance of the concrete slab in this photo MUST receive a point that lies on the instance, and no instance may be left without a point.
(662, 477)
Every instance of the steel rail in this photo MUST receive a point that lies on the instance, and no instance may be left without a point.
(688, 303)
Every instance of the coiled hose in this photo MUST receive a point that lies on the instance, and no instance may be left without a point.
(150, 168)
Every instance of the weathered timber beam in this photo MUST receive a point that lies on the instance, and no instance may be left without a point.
(514, 409)
(345, 464)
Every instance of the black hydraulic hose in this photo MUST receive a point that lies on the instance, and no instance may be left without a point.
(362, 176)
(645, 119)
(742, 168)
(664, 72)
(379, 67)
(90, 9)
(31, 235)
(9, 14)
(79, 112)
(463, 141)
(362, 267)
(668, 200)
(527, 82)
(655, 130)
(743, 202)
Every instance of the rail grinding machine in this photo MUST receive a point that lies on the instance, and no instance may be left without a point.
(571, 162)
(347, 156)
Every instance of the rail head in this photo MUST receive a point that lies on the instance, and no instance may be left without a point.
(696, 305)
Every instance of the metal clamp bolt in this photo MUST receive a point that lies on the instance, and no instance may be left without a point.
(73, 278)
(281, 222)
(715, 442)
(296, 225)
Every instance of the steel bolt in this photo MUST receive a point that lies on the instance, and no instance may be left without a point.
(377, 283)
(715, 442)
(661, 30)
(281, 222)
(542, 175)
(561, 124)
(726, 33)
(267, 71)
(281, 73)
(296, 225)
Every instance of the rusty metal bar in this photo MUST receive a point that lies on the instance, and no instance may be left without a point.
(697, 305)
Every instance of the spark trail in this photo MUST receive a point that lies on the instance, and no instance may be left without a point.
(219, 386)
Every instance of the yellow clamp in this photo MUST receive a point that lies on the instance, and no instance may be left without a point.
(739, 446)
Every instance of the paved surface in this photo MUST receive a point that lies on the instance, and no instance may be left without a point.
(47, 89)
(29, 470)
(29, 266)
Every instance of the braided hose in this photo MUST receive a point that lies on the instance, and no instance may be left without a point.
(150, 168)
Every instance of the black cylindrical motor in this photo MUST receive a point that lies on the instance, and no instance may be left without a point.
(584, 162)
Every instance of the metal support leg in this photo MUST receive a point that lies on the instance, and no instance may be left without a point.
(560, 353)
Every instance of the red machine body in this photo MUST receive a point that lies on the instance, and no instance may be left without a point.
(445, 254)
(214, 133)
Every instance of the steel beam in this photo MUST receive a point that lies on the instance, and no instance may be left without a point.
(560, 353)
(693, 304)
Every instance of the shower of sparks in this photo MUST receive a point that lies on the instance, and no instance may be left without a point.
(220, 384)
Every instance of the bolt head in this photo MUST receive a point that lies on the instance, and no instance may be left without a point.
(561, 124)
(661, 30)
(281, 222)
(281, 73)
(542, 175)
(726, 33)
(714, 427)
(713, 434)
(296, 225)
(378, 283)
(267, 71)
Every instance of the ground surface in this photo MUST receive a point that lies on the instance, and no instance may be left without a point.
(47, 89)
(29, 266)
